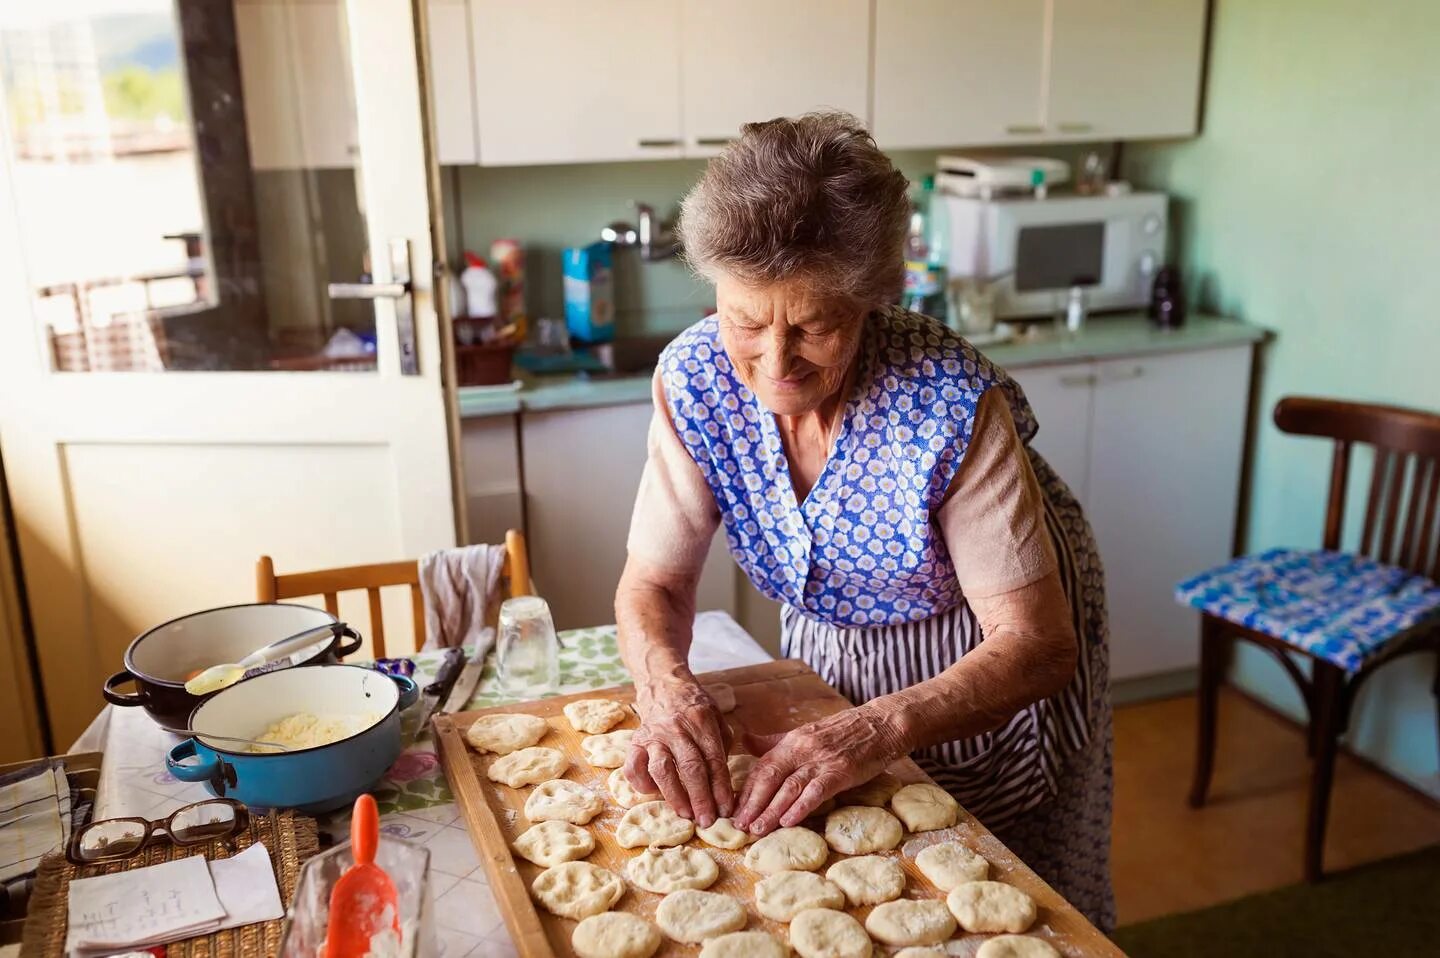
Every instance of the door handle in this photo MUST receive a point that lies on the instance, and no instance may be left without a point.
(400, 289)
(1078, 379)
(1121, 375)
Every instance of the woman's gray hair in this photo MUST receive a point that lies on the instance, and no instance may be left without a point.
(809, 198)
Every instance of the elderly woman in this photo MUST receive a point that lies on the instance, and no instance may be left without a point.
(872, 473)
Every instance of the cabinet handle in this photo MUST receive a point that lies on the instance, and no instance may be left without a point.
(1076, 380)
(1075, 127)
(657, 144)
(1122, 375)
(714, 140)
(1024, 128)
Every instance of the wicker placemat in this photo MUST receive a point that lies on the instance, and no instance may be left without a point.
(290, 838)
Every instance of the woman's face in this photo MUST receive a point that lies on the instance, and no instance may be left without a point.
(791, 348)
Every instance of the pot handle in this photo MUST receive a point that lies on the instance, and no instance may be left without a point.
(122, 699)
(409, 691)
(343, 649)
(208, 769)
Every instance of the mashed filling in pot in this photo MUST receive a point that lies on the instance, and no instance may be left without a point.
(307, 730)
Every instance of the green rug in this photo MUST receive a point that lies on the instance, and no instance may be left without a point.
(1389, 908)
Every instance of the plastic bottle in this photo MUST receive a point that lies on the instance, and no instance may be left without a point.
(924, 254)
(480, 288)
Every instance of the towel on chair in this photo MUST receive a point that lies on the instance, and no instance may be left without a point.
(461, 589)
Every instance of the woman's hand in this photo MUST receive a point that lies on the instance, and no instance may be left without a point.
(680, 748)
(801, 768)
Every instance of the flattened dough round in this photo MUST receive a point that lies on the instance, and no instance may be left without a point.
(528, 766)
(740, 766)
(745, 944)
(551, 843)
(1016, 946)
(823, 933)
(991, 906)
(503, 734)
(925, 807)
(723, 695)
(784, 895)
(692, 916)
(916, 951)
(787, 849)
(911, 921)
(559, 800)
(608, 750)
(868, 879)
(653, 823)
(663, 870)
(593, 716)
(723, 834)
(862, 829)
(948, 864)
(623, 792)
(577, 889)
(877, 792)
(615, 934)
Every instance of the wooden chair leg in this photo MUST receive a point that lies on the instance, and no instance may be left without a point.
(1214, 648)
(1327, 719)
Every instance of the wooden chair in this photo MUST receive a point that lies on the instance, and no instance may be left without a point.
(1407, 445)
(270, 587)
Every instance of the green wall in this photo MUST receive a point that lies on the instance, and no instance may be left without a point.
(1308, 205)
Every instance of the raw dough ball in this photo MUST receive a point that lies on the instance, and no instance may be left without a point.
(723, 695)
(860, 830)
(868, 879)
(692, 916)
(822, 933)
(608, 750)
(877, 792)
(784, 849)
(551, 843)
(745, 944)
(664, 870)
(740, 766)
(949, 864)
(925, 807)
(784, 895)
(592, 716)
(623, 793)
(564, 801)
(653, 823)
(528, 766)
(1015, 946)
(577, 889)
(991, 906)
(911, 922)
(503, 734)
(724, 834)
(615, 934)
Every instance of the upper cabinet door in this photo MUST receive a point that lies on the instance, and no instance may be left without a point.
(451, 83)
(573, 81)
(959, 72)
(1120, 69)
(749, 60)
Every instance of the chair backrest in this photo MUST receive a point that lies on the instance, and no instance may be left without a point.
(329, 583)
(1400, 516)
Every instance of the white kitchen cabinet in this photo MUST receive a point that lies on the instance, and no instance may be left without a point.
(1125, 70)
(494, 498)
(576, 81)
(954, 72)
(452, 85)
(1062, 397)
(748, 60)
(296, 79)
(581, 471)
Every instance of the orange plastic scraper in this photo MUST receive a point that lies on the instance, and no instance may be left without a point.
(363, 902)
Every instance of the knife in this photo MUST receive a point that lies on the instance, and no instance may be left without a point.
(466, 684)
(433, 694)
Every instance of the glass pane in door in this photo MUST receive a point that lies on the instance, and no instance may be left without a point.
(185, 176)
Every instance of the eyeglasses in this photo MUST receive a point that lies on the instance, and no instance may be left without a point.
(111, 839)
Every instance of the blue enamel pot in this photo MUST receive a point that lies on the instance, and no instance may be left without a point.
(317, 779)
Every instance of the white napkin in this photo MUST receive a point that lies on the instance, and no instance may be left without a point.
(34, 818)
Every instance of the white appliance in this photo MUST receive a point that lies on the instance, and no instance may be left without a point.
(986, 176)
(1034, 251)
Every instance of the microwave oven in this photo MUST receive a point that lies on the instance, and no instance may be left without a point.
(1034, 250)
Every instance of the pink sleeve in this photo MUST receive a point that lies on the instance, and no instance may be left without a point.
(675, 515)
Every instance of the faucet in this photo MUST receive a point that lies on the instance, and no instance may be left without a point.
(656, 241)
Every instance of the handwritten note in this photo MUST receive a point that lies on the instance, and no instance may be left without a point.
(144, 906)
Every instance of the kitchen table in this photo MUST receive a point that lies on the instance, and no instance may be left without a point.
(415, 801)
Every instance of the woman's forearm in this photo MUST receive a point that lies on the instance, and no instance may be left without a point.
(654, 616)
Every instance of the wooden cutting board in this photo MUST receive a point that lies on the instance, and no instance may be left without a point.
(772, 697)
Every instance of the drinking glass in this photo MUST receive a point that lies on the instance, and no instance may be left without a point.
(527, 648)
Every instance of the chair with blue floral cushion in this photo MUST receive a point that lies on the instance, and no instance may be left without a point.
(1347, 613)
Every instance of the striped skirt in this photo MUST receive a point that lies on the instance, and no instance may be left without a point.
(1041, 782)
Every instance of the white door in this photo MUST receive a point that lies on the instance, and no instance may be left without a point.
(1061, 398)
(1120, 69)
(575, 81)
(958, 72)
(748, 60)
(178, 391)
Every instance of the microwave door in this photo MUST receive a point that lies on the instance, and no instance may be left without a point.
(1059, 256)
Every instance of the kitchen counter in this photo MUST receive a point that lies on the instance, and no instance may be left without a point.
(1104, 337)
